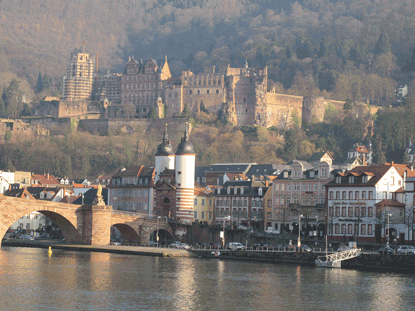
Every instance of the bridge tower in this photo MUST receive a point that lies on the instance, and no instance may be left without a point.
(185, 179)
(164, 157)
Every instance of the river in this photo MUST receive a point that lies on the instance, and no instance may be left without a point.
(66, 280)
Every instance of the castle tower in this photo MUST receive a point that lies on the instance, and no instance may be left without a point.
(78, 82)
(185, 179)
(164, 157)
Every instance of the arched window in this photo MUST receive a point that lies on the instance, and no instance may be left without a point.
(217, 91)
(166, 201)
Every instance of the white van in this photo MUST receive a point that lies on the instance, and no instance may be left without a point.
(236, 246)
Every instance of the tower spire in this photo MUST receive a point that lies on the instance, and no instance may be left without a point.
(166, 137)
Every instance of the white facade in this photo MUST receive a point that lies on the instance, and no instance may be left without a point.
(161, 163)
(6, 179)
(351, 205)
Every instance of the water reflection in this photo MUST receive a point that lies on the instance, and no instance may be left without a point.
(29, 279)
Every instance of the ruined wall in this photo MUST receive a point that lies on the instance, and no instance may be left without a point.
(280, 109)
(174, 99)
(20, 130)
(206, 88)
(314, 109)
(242, 94)
(104, 126)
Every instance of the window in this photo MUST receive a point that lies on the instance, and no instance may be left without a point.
(269, 203)
(343, 211)
(195, 214)
(145, 206)
(282, 187)
(310, 187)
(356, 211)
(370, 195)
(28, 226)
(351, 179)
(350, 229)
(338, 179)
(356, 195)
(195, 201)
(296, 173)
(198, 91)
(369, 230)
(344, 195)
(363, 229)
(370, 212)
(337, 195)
(350, 195)
(385, 195)
(203, 202)
(315, 187)
(207, 92)
(363, 211)
(296, 188)
(288, 187)
(343, 228)
(190, 92)
(304, 187)
(217, 91)
(203, 215)
(363, 195)
(350, 213)
(337, 211)
(337, 228)
(210, 215)
(331, 195)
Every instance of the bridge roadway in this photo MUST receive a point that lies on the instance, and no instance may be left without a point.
(83, 224)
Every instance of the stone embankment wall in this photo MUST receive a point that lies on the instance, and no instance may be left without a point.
(105, 126)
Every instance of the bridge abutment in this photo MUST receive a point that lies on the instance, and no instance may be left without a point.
(94, 224)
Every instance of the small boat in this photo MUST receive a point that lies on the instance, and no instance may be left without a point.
(324, 263)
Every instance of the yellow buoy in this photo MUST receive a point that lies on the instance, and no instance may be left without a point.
(50, 250)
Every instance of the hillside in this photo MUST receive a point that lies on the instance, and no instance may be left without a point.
(319, 47)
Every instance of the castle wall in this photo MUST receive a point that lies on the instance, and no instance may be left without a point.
(20, 130)
(104, 126)
(280, 109)
(206, 88)
(242, 94)
(314, 109)
(174, 100)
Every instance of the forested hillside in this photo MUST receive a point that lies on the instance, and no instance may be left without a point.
(341, 49)
(354, 50)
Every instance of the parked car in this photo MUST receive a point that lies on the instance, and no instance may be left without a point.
(27, 237)
(178, 244)
(405, 250)
(235, 246)
(386, 251)
(304, 248)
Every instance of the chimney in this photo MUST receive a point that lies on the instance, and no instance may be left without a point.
(47, 176)
(266, 182)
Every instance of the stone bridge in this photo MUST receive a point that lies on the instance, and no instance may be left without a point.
(83, 224)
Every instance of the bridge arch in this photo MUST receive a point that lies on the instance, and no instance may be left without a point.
(129, 234)
(64, 215)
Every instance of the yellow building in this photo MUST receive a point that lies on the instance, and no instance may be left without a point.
(204, 205)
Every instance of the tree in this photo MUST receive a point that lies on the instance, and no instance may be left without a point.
(2, 108)
(8, 136)
(39, 86)
(382, 46)
(12, 97)
(348, 105)
(405, 158)
(291, 144)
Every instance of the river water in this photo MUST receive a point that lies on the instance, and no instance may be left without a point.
(66, 280)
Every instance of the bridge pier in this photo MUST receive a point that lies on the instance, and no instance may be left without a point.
(94, 224)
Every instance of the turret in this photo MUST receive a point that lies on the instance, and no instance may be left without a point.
(185, 178)
(164, 156)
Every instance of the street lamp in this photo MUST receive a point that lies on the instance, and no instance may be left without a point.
(317, 225)
(299, 230)
(387, 241)
(157, 238)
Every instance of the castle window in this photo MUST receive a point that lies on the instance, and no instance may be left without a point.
(219, 82)
(246, 110)
(217, 91)
(207, 92)
(144, 110)
(214, 82)
(190, 92)
(198, 91)
(244, 100)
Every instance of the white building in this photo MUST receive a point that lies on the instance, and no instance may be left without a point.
(364, 202)
(6, 179)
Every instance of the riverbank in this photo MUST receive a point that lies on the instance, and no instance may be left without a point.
(118, 249)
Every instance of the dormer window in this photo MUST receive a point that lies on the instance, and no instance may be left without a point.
(41, 195)
(295, 173)
(229, 190)
(338, 179)
(351, 179)
(242, 190)
(260, 191)
(364, 180)
(312, 174)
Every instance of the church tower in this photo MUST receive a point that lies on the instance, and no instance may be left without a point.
(185, 179)
(164, 157)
